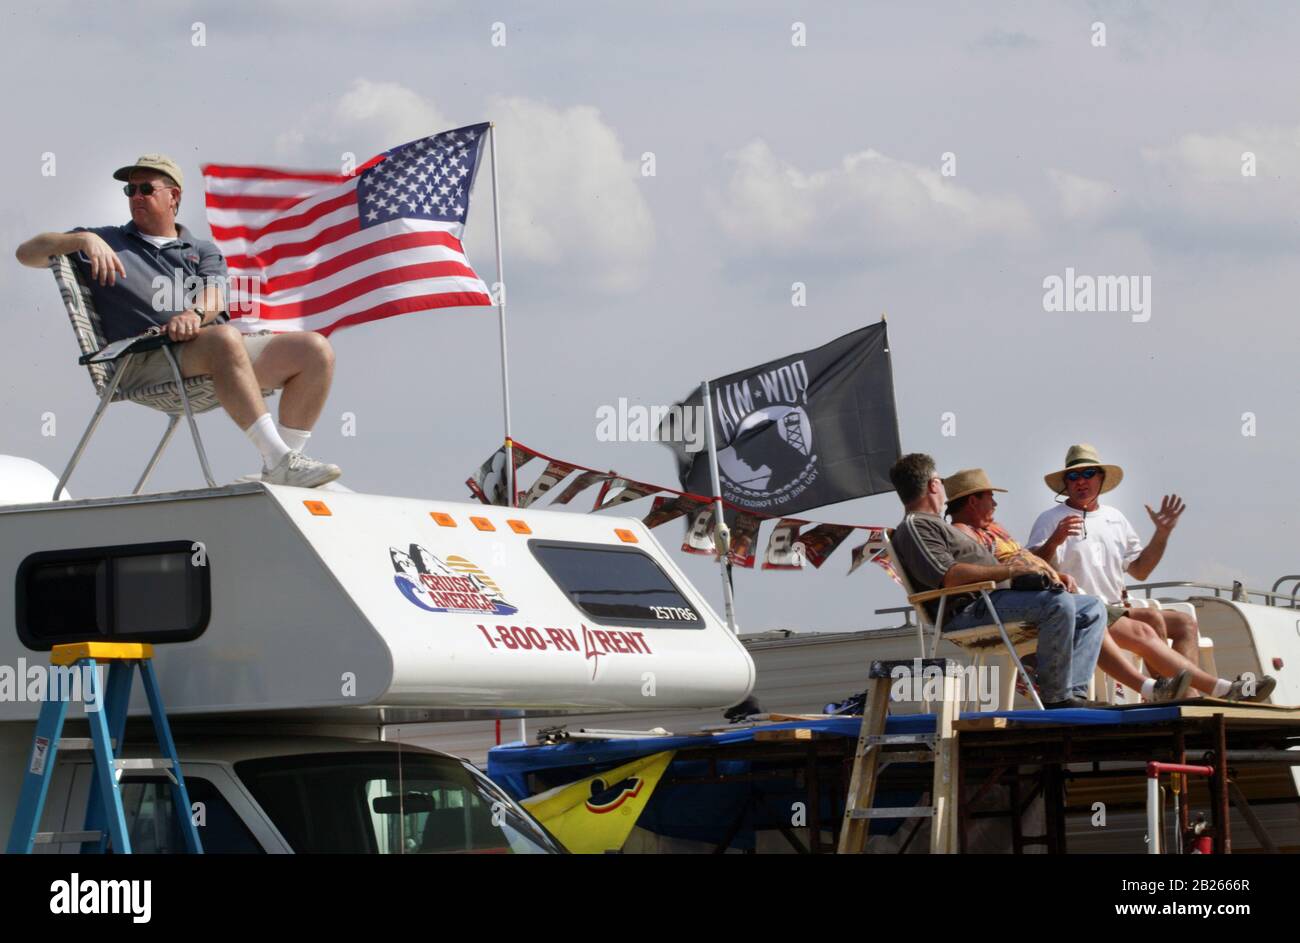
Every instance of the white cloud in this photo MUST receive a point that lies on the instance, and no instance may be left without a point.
(1082, 199)
(570, 199)
(369, 118)
(1192, 192)
(1200, 175)
(868, 203)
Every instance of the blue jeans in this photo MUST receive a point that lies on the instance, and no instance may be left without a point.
(1070, 632)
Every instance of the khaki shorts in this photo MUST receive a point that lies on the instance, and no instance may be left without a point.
(1114, 614)
(153, 367)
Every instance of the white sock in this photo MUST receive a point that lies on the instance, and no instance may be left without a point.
(1221, 687)
(268, 441)
(296, 439)
(1148, 688)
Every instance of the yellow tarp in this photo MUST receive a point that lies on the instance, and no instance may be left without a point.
(596, 814)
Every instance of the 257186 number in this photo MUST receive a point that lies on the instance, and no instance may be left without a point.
(674, 612)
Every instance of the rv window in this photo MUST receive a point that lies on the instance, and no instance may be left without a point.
(617, 585)
(136, 592)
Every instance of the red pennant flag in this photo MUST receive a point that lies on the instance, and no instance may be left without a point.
(744, 534)
(783, 552)
(580, 484)
(555, 473)
(820, 542)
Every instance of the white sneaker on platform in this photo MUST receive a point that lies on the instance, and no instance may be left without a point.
(300, 471)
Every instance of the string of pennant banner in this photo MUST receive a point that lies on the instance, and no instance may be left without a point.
(791, 545)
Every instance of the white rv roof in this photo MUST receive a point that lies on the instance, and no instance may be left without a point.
(327, 601)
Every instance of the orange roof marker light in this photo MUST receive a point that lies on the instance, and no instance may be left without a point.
(444, 520)
(519, 527)
(625, 535)
(318, 508)
(482, 523)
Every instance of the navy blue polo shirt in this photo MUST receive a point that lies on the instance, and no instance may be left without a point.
(154, 289)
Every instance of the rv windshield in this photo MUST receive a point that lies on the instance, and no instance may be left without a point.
(362, 803)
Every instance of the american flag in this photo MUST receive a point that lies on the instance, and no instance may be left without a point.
(319, 251)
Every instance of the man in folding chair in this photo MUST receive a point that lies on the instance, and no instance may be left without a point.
(936, 555)
(126, 267)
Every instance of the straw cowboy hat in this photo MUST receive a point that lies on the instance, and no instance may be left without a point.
(1084, 455)
(968, 481)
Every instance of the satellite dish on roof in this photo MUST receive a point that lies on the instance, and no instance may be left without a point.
(23, 481)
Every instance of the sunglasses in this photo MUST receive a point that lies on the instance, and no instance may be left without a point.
(1087, 474)
(146, 189)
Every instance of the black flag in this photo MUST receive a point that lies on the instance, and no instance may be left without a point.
(801, 431)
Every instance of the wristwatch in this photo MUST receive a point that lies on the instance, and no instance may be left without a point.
(198, 309)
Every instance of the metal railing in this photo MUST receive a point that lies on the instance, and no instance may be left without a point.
(1238, 592)
(1288, 579)
(908, 615)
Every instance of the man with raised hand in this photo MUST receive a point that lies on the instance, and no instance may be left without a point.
(971, 506)
(130, 270)
(1096, 544)
(935, 555)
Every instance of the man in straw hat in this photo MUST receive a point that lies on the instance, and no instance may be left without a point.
(125, 267)
(934, 554)
(1096, 544)
(971, 506)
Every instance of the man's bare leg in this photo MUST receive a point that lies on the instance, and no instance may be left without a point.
(303, 364)
(1176, 627)
(1184, 634)
(1115, 663)
(219, 351)
(1136, 635)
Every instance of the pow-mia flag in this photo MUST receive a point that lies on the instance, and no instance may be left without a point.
(801, 431)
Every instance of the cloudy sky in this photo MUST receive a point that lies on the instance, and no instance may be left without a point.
(775, 162)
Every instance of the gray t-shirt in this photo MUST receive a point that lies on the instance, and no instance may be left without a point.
(154, 287)
(927, 546)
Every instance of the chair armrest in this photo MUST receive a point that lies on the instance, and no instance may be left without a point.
(951, 591)
(151, 339)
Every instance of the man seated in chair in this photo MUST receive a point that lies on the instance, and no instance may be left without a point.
(1096, 544)
(125, 267)
(936, 555)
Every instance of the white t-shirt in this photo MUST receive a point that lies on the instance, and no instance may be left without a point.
(1097, 562)
(158, 241)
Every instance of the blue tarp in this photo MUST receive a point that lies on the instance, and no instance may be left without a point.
(709, 812)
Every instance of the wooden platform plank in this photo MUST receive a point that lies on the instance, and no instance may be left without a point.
(788, 733)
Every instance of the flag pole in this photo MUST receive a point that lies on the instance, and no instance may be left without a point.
(501, 311)
(505, 371)
(721, 535)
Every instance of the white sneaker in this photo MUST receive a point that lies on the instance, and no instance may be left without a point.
(300, 471)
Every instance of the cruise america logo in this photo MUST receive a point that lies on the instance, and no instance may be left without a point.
(453, 585)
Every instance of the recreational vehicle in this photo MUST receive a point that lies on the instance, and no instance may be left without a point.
(293, 627)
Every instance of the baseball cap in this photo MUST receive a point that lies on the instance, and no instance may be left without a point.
(159, 162)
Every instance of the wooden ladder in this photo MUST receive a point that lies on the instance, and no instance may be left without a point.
(939, 747)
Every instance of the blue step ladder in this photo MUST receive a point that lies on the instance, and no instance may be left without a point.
(105, 817)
